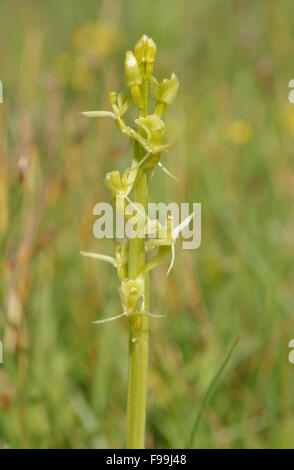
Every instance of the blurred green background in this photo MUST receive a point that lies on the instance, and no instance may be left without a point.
(63, 380)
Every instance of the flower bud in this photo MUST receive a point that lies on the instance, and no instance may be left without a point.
(145, 52)
(140, 48)
(150, 57)
(133, 77)
(132, 71)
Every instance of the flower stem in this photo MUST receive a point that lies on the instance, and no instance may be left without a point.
(138, 323)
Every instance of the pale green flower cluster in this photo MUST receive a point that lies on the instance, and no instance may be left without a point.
(147, 135)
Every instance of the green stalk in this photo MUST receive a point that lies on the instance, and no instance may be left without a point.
(138, 323)
(129, 256)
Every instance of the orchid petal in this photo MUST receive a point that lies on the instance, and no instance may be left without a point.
(106, 320)
(98, 114)
(176, 231)
(108, 259)
(167, 171)
(172, 259)
(154, 315)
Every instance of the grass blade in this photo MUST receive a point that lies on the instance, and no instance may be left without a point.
(209, 393)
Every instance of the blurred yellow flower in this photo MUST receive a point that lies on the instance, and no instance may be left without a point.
(239, 132)
(81, 74)
(91, 42)
(96, 38)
